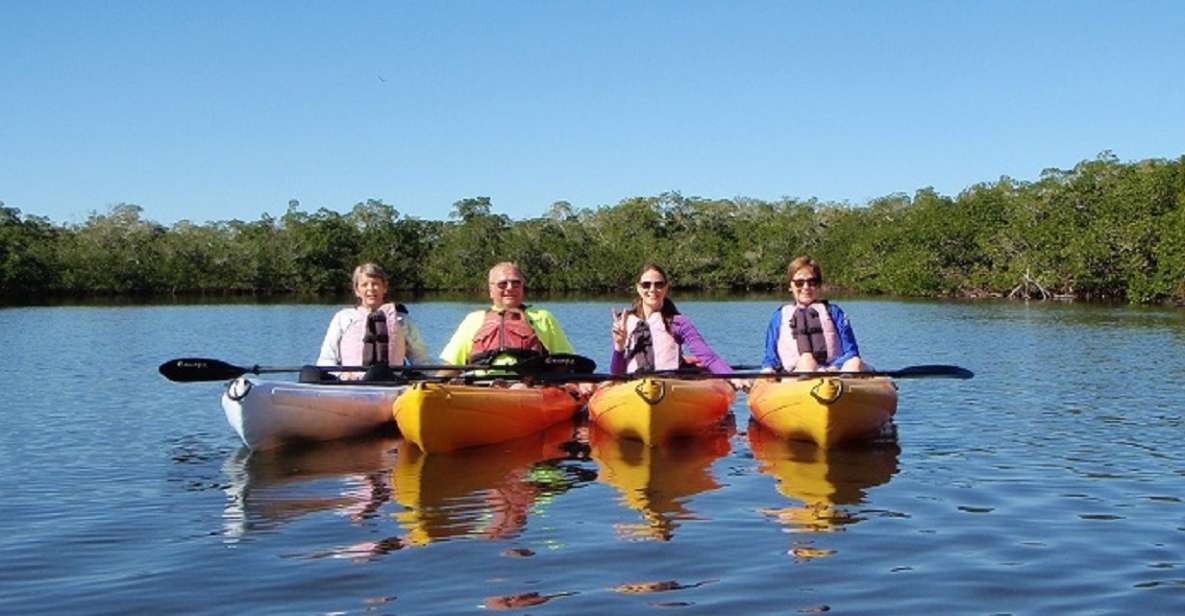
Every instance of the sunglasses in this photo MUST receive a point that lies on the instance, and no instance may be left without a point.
(512, 283)
(802, 282)
(657, 284)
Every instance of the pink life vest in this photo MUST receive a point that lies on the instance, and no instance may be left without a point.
(662, 346)
(505, 333)
(357, 350)
(807, 330)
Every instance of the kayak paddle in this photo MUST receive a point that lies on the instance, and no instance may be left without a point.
(196, 369)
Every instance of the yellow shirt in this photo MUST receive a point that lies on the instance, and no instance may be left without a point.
(543, 322)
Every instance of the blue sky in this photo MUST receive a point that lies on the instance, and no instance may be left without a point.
(220, 110)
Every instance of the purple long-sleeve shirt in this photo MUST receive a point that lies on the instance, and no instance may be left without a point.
(692, 342)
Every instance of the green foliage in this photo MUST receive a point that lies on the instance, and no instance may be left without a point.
(27, 259)
(1102, 229)
(117, 252)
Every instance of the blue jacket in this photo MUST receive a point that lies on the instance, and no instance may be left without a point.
(847, 339)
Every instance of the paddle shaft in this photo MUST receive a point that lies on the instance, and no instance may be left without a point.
(909, 372)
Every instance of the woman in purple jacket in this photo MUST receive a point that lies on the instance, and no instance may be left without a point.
(652, 335)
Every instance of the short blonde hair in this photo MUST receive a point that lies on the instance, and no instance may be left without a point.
(369, 269)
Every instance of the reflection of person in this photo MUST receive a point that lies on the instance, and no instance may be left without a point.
(650, 335)
(810, 334)
(510, 330)
(374, 331)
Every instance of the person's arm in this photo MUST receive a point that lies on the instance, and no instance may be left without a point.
(330, 354)
(687, 335)
(772, 333)
(416, 351)
(847, 338)
(548, 329)
(456, 352)
(617, 363)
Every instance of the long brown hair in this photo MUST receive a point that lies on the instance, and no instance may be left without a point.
(669, 310)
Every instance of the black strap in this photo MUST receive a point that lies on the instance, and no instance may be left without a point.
(641, 347)
(808, 333)
(375, 343)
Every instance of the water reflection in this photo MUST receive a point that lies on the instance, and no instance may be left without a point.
(824, 481)
(486, 492)
(518, 602)
(268, 488)
(657, 481)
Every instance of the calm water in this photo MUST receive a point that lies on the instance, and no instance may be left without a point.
(1051, 483)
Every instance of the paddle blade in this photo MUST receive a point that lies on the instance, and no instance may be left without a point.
(195, 369)
(936, 370)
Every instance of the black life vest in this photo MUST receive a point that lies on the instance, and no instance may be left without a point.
(375, 344)
(808, 331)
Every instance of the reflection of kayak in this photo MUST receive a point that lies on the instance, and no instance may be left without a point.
(480, 491)
(442, 417)
(657, 481)
(656, 410)
(268, 414)
(811, 474)
(272, 487)
(821, 479)
(827, 410)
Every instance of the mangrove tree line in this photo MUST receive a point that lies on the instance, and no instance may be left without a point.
(1103, 229)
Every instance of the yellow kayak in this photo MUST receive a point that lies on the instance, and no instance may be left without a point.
(441, 417)
(656, 410)
(827, 410)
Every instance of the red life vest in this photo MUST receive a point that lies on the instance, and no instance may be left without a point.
(505, 333)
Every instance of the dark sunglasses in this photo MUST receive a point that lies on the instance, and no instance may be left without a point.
(802, 282)
(513, 283)
(658, 284)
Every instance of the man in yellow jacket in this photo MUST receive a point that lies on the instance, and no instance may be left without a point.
(509, 331)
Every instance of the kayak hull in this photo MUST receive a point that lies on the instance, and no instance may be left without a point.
(655, 410)
(271, 414)
(828, 411)
(440, 417)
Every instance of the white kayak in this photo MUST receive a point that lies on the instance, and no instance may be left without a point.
(269, 414)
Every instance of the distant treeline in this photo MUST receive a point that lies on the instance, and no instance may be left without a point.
(1103, 229)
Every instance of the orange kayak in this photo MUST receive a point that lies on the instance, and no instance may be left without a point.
(441, 417)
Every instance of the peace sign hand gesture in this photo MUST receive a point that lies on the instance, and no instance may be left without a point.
(619, 333)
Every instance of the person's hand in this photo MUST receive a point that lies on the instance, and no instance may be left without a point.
(806, 363)
(619, 333)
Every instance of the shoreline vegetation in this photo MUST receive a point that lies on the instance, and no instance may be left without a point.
(1104, 230)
